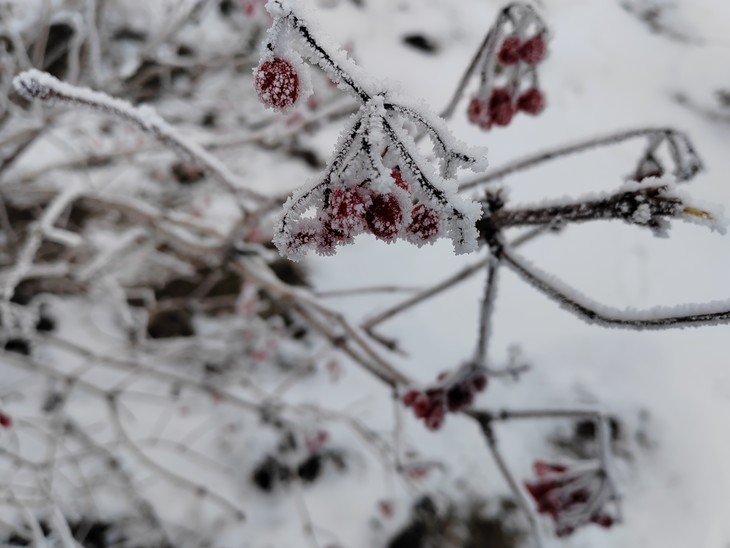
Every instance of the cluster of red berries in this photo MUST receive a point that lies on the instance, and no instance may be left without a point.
(432, 404)
(501, 106)
(358, 209)
(561, 493)
(277, 83)
(497, 106)
(531, 51)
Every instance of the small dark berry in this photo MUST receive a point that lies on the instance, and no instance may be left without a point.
(384, 216)
(6, 421)
(424, 223)
(533, 51)
(410, 397)
(509, 53)
(277, 83)
(531, 101)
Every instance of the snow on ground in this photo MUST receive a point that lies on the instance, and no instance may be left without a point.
(607, 70)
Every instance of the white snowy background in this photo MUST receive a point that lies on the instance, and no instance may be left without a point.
(612, 66)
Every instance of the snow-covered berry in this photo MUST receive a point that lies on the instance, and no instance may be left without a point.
(424, 223)
(277, 83)
(533, 50)
(531, 101)
(509, 52)
(384, 216)
(347, 208)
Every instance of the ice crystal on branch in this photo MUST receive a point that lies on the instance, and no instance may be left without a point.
(377, 181)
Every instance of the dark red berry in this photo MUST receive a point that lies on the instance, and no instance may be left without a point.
(435, 419)
(509, 53)
(474, 110)
(347, 208)
(424, 222)
(603, 520)
(531, 101)
(303, 237)
(277, 83)
(410, 397)
(421, 405)
(458, 397)
(479, 383)
(533, 51)
(6, 421)
(384, 216)
(500, 107)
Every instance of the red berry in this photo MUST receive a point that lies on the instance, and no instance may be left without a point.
(347, 208)
(435, 419)
(384, 216)
(509, 53)
(421, 406)
(424, 222)
(277, 83)
(6, 421)
(458, 397)
(398, 179)
(603, 520)
(479, 383)
(500, 107)
(474, 110)
(533, 51)
(410, 397)
(531, 101)
(302, 238)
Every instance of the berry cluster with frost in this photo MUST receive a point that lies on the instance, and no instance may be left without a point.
(508, 82)
(450, 394)
(571, 497)
(377, 181)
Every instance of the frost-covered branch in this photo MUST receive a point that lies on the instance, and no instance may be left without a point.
(662, 317)
(686, 161)
(41, 86)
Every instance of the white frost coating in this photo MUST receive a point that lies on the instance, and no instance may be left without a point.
(659, 317)
(37, 85)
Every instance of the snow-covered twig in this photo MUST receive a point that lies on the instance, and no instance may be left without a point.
(664, 317)
(686, 166)
(37, 85)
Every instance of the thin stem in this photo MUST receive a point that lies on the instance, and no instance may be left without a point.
(692, 315)
(485, 318)
(527, 162)
(521, 499)
(42, 86)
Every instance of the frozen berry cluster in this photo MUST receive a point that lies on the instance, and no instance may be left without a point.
(359, 209)
(497, 105)
(432, 404)
(570, 498)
